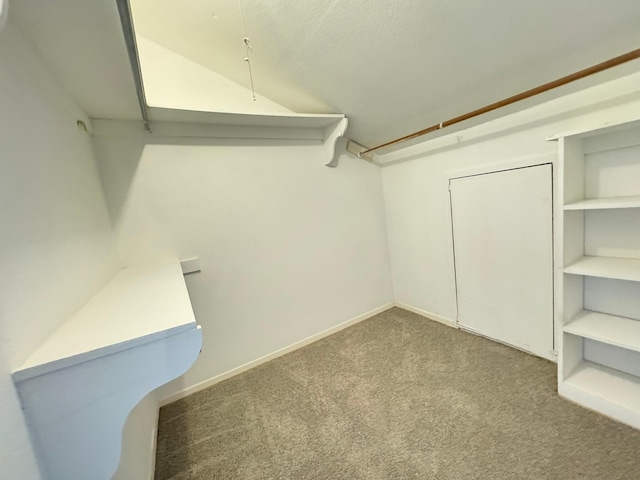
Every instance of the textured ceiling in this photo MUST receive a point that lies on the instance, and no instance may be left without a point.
(392, 67)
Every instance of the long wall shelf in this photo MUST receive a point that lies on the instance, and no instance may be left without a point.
(606, 267)
(137, 333)
(618, 331)
(631, 201)
(139, 305)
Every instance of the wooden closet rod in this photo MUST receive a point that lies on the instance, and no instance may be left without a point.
(614, 62)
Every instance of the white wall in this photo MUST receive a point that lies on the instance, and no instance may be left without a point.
(288, 247)
(173, 81)
(415, 183)
(56, 245)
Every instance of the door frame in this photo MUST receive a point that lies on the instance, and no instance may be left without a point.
(510, 164)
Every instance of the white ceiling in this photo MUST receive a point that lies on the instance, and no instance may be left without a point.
(393, 67)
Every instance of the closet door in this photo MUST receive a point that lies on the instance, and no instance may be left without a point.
(502, 231)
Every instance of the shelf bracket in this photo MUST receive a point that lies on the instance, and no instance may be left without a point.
(78, 434)
(136, 333)
(331, 135)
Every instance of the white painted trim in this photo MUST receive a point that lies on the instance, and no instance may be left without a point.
(295, 120)
(154, 446)
(523, 162)
(128, 128)
(278, 353)
(515, 119)
(428, 315)
(4, 13)
(146, 458)
(598, 128)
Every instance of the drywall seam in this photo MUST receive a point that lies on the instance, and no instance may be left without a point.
(278, 353)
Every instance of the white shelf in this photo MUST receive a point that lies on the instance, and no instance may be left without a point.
(606, 267)
(284, 120)
(618, 331)
(77, 390)
(139, 305)
(605, 390)
(605, 203)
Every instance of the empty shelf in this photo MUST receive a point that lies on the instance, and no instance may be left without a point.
(606, 267)
(618, 331)
(605, 203)
(282, 120)
(605, 390)
(139, 305)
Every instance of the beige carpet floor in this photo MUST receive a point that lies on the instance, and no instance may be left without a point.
(394, 397)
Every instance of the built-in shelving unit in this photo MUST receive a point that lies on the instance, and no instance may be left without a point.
(136, 334)
(598, 270)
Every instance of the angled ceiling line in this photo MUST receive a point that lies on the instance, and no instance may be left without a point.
(613, 62)
(124, 9)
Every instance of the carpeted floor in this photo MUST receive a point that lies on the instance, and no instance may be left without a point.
(394, 397)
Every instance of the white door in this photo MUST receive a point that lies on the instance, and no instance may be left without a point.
(502, 232)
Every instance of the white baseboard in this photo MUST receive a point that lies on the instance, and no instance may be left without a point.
(278, 353)
(429, 315)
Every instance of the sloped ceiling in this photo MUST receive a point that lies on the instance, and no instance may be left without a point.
(392, 67)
